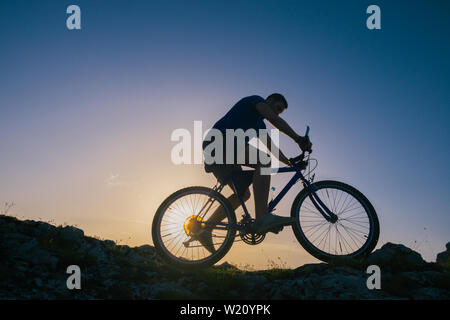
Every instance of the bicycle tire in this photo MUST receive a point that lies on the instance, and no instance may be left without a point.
(213, 258)
(318, 253)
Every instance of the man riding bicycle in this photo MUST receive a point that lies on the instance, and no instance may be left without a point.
(249, 113)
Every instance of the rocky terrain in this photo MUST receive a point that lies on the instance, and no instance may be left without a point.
(35, 255)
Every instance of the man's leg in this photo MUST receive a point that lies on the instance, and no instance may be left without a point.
(261, 187)
(222, 173)
(265, 221)
(261, 182)
(219, 214)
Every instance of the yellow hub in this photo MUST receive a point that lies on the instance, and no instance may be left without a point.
(193, 225)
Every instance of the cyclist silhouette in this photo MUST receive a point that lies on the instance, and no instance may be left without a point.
(330, 219)
(249, 113)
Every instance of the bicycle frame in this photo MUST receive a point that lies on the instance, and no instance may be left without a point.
(321, 207)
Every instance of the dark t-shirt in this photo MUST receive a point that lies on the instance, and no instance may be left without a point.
(243, 115)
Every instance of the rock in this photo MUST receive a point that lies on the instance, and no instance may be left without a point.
(234, 294)
(24, 248)
(444, 257)
(40, 229)
(98, 253)
(11, 240)
(428, 293)
(108, 283)
(181, 282)
(146, 250)
(30, 251)
(202, 287)
(226, 266)
(38, 282)
(109, 243)
(311, 268)
(72, 234)
(169, 291)
(254, 280)
(395, 258)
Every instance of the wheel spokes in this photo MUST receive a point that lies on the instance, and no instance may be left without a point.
(173, 227)
(347, 235)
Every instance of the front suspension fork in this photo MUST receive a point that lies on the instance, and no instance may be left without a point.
(323, 209)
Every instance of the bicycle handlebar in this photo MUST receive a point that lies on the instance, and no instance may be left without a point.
(298, 161)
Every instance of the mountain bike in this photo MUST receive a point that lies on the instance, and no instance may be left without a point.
(332, 220)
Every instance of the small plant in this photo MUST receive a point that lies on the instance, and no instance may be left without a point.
(7, 207)
(277, 270)
(280, 264)
(246, 267)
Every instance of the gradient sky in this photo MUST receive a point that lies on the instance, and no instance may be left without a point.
(86, 115)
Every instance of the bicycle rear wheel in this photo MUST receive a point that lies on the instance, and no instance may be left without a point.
(355, 233)
(181, 217)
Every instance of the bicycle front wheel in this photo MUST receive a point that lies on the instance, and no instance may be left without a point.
(181, 217)
(355, 233)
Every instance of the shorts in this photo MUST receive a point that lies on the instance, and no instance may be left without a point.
(242, 178)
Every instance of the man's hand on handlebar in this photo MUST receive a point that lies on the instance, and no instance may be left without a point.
(304, 143)
(298, 162)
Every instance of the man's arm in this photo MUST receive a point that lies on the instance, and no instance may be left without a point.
(273, 148)
(265, 110)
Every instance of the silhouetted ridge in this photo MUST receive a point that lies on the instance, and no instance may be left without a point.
(35, 255)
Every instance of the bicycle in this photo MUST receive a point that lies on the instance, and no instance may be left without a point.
(332, 219)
